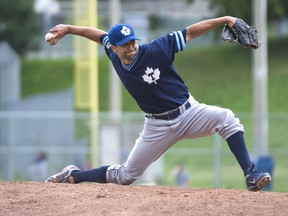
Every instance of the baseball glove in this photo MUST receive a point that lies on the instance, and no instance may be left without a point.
(241, 33)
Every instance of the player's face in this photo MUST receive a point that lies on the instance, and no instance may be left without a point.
(127, 51)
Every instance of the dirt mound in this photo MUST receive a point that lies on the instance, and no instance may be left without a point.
(31, 198)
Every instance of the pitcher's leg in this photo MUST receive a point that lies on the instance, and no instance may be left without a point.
(230, 128)
(154, 140)
(203, 120)
(237, 146)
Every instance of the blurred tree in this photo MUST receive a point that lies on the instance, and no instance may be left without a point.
(155, 21)
(18, 24)
(277, 9)
(189, 1)
(233, 8)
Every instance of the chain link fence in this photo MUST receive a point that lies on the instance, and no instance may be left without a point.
(42, 143)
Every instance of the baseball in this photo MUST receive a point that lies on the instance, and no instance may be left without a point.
(48, 36)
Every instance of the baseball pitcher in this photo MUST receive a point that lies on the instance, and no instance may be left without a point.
(171, 112)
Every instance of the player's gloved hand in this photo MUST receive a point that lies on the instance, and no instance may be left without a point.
(241, 33)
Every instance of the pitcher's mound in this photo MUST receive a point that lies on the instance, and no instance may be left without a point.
(31, 198)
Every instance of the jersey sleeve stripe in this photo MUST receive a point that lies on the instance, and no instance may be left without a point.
(177, 40)
(180, 40)
(105, 40)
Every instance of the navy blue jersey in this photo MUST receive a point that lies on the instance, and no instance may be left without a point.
(151, 78)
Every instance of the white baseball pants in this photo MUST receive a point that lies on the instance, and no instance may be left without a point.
(158, 136)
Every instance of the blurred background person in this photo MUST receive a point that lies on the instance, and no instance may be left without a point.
(39, 167)
(181, 175)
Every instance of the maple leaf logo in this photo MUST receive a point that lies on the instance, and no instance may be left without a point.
(151, 76)
(125, 31)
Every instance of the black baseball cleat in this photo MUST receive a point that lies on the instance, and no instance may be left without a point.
(256, 180)
(64, 176)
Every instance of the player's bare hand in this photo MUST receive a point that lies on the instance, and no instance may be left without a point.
(230, 21)
(58, 32)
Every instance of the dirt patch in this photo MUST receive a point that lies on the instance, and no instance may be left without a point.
(34, 198)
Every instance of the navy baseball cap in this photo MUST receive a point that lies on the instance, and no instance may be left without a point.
(121, 34)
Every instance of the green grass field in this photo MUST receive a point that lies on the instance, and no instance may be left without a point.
(219, 75)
